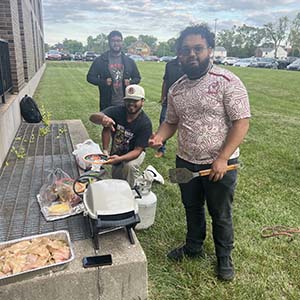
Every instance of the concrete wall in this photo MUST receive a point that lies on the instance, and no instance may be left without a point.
(10, 116)
(22, 27)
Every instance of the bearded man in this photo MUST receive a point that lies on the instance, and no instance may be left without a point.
(112, 72)
(130, 129)
(209, 107)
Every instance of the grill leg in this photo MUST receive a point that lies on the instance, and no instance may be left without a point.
(94, 230)
(129, 233)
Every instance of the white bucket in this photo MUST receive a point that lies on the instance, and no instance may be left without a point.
(147, 209)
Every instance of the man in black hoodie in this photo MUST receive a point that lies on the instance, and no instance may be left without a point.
(112, 72)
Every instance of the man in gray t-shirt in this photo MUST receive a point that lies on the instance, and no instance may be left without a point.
(112, 72)
(116, 69)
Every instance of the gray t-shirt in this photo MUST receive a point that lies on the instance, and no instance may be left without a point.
(116, 69)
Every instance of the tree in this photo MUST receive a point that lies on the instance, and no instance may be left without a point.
(149, 40)
(72, 46)
(226, 39)
(99, 44)
(276, 32)
(241, 41)
(294, 36)
(172, 46)
(128, 40)
(164, 49)
(247, 39)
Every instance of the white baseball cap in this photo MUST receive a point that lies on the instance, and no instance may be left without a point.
(134, 92)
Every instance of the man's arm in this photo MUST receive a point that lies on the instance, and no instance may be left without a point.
(93, 75)
(165, 131)
(106, 133)
(135, 76)
(131, 155)
(102, 119)
(234, 138)
(163, 96)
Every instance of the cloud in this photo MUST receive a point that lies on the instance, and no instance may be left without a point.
(160, 18)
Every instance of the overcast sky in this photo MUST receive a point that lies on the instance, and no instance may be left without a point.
(77, 19)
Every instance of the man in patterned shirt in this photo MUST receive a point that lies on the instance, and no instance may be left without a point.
(209, 107)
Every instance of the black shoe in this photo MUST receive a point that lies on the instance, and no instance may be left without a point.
(225, 269)
(179, 253)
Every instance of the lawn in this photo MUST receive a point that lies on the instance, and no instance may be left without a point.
(268, 191)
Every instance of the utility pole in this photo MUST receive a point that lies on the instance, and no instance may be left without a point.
(215, 37)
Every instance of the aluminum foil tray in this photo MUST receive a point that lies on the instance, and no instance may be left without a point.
(60, 235)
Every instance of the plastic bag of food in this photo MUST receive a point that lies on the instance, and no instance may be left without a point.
(81, 150)
(57, 199)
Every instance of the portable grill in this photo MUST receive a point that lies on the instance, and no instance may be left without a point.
(110, 204)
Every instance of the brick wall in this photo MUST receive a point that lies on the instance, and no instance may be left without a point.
(10, 31)
(21, 25)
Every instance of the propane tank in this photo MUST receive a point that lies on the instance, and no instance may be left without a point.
(146, 201)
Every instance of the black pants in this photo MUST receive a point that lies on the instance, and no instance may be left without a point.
(219, 197)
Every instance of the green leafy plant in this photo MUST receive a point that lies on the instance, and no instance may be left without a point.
(20, 153)
(61, 132)
(46, 116)
(46, 119)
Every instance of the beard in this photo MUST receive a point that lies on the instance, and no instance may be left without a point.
(196, 72)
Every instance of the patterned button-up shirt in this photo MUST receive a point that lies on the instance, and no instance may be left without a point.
(203, 110)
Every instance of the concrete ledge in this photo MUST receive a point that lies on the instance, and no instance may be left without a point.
(125, 279)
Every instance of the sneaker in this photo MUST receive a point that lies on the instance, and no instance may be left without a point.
(159, 154)
(225, 269)
(179, 253)
(156, 176)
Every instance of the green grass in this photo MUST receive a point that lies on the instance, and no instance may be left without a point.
(268, 191)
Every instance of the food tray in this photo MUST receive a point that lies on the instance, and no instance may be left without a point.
(60, 235)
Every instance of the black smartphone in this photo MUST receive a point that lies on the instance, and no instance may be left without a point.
(96, 261)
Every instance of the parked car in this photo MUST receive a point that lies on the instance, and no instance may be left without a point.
(65, 56)
(136, 57)
(265, 62)
(229, 61)
(89, 56)
(244, 62)
(283, 63)
(166, 58)
(295, 65)
(218, 60)
(151, 58)
(78, 56)
(53, 55)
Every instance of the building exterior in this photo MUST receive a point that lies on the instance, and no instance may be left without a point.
(21, 28)
(139, 48)
(270, 52)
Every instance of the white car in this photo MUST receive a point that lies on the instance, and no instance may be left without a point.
(243, 62)
(229, 61)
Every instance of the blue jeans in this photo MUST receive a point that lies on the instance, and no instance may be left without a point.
(219, 197)
(162, 117)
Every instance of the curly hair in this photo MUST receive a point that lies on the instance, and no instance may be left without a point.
(199, 29)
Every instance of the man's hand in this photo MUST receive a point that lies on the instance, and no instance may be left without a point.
(108, 122)
(219, 169)
(114, 159)
(126, 82)
(155, 141)
(108, 81)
